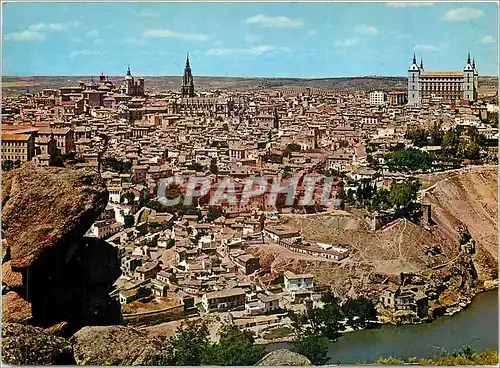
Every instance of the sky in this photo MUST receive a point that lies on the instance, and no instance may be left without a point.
(306, 40)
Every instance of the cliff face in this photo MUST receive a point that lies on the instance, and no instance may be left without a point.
(51, 273)
(468, 200)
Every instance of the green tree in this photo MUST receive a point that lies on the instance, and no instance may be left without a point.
(314, 347)
(291, 147)
(114, 164)
(128, 221)
(410, 160)
(235, 348)
(57, 160)
(129, 197)
(403, 196)
(7, 165)
(286, 171)
(188, 346)
(359, 312)
(493, 119)
(214, 213)
(213, 166)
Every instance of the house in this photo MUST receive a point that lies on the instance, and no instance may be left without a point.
(263, 305)
(404, 298)
(133, 294)
(158, 288)
(279, 233)
(147, 271)
(227, 299)
(163, 276)
(129, 264)
(247, 263)
(298, 285)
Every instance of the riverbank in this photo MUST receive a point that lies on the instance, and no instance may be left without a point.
(476, 325)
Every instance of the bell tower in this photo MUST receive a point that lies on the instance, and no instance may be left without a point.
(187, 88)
(414, 97)
(468, 88)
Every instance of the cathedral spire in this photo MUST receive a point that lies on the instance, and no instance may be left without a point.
(414, 59)
(128, 71)
(468, 58)
(473, 63)
(187, 80)
(421, 64)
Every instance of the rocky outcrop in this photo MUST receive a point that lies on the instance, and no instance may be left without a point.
(49, 268)
(15, 308)
(23, 345)
(284, 357)
(54, 204)
(115, 345)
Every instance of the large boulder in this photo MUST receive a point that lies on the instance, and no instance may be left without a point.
(61, 275)
(115, 345)
(284, 357)
(44, 208)
(23, 345)
(15, 308)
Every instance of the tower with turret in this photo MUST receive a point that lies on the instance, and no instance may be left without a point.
(468, 85)
(129, 83)
(187, 88)
(414, 92)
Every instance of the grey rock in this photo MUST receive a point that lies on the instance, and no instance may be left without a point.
(115, 345)
(284, 357)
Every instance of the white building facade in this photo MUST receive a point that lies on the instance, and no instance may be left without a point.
(426, 86)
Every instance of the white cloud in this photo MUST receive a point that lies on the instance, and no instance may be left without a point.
(403, 4)
(93, 33)
(34, 31)
(148, 13)
(56, 27)
(257, 50)
(25, 36)
(251, 38)
(424, 48)
(488, 39)
(278, 22)
(165, 33)
(218, 52)
(98, 41)
(460, 14)
(79, 53)
(348, 42)
(310, 32)
(367, 30)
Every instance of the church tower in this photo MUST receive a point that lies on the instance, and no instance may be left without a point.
(129, 83)
(187, 88)
(468, 86)
(414, 97)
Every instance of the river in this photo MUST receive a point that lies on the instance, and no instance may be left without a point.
(476, 325)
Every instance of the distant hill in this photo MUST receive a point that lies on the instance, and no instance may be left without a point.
(36, 83)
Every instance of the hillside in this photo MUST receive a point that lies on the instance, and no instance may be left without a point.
(468, 198)
(464, 198)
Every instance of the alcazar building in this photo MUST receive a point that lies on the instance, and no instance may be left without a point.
(425, 86)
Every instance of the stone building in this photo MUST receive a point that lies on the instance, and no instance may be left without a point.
(425, 86)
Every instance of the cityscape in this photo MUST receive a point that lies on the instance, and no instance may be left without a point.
(234, 184)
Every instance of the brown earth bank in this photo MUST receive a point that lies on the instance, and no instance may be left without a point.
(464, 200)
